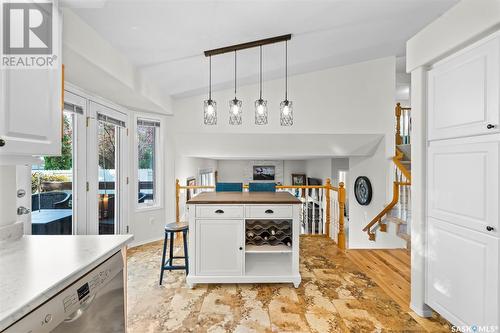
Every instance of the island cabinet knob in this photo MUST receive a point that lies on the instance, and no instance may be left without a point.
(269, 211)
(219, 211)
(241, 248)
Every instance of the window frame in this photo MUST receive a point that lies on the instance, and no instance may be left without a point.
(158, 162)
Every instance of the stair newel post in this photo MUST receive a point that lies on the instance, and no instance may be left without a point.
(177, 199)
(398, 124)
(328, 187)
(341, 235)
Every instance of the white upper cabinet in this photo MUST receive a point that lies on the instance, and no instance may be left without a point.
(463, 92)
(463, 182)
(30, 104)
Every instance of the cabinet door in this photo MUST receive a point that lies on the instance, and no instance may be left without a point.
(462, 274)
(220, 247)
(463, 92)
(463, 182)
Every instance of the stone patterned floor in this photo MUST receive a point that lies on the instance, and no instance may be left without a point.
(334, 296)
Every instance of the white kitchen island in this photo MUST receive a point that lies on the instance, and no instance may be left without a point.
(244, 237)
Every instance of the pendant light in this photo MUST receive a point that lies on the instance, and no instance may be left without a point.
(210, 106)
(286, 106)
(235, 104)
(260, 104)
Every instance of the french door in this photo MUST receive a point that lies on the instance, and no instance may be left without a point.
(106, 169)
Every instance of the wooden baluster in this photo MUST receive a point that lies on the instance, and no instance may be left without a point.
(328, 187)
(177, 199)
(341, 236)
(398, 124)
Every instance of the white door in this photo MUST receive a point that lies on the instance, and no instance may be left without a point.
(463, 182)
(107, 158)
(462, 274)
(220, 248)
(463, 92)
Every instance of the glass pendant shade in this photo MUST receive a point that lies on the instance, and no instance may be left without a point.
(210, 112)
(286, 114)
(235, 112)
(260, 112)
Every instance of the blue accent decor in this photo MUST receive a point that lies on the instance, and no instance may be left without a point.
(262, 187)
(229, 187)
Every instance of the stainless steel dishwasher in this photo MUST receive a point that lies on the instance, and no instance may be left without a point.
(94, 303)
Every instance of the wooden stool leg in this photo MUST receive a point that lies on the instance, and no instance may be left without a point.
(184, 236)
(163, 258)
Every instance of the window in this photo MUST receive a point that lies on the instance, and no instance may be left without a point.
(147, 158)
(207, 177)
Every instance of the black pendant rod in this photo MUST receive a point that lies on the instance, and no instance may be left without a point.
(286, 70)
(234, 74)
(210, 78)
(248, 45)
(261, 72)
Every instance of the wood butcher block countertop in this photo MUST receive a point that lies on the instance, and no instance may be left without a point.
(244, 198)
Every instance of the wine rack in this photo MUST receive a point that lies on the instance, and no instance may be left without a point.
(268, 232)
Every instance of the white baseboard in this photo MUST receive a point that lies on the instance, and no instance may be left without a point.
(143, 242)
(423, 311)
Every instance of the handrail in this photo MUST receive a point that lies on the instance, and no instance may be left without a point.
(395, 199)
(327, 187)
(397, 161)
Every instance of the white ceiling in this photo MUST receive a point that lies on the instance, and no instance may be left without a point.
(165, 39)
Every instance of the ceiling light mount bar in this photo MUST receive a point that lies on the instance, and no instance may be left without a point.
(248, 45)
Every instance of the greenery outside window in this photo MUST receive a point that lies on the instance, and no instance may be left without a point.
(147, 157)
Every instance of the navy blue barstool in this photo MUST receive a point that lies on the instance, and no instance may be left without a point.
(170, 230)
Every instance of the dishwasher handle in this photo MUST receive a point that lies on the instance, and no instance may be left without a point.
(81, 310)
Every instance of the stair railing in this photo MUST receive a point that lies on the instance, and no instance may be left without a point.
(326, 215)
(402, 176)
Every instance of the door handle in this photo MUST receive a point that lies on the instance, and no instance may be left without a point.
(21, 210)
(2, 142)
(269, 211)
(219, 211)
(490, 126)
(490, 228)
(79, 312)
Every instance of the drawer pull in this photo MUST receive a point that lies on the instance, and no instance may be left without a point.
(269, 211)
(490, 126)
(490, 228)
(219, 211)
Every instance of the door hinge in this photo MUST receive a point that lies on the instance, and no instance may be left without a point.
(127, 180)
(127, 131)
(87, 122)
(127, 230)
(87, 186)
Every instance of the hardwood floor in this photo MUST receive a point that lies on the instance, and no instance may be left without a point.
(391, 270)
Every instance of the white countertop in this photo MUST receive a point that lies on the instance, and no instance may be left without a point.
(35, 268)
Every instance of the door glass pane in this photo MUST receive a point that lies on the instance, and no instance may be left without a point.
(107, 134)
(52, 187)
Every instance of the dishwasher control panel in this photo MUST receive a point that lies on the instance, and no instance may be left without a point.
(75, 297)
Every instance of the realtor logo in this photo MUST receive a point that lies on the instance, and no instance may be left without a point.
(27, 34)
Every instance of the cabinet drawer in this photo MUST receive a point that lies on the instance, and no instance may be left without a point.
(219, 211)
(269, 211)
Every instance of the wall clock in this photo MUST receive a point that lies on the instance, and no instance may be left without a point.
(363, 190)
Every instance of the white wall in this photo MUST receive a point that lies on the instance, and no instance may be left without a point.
(240, 170)
(186, 167)
(319, 168)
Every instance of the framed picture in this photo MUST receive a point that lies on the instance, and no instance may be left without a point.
(298, 179)
(263, 172)
(190, 181)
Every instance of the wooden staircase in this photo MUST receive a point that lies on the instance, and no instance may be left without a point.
(398, 211)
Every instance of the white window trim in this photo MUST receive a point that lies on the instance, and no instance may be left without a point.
(159, 151)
